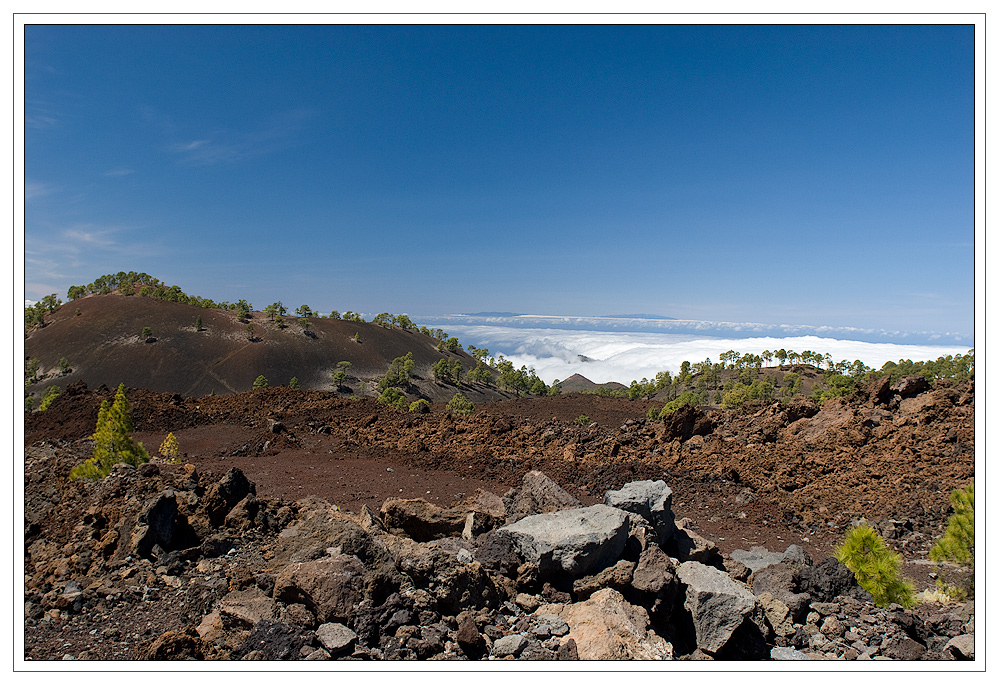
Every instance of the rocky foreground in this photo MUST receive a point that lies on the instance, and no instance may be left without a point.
(157, 563)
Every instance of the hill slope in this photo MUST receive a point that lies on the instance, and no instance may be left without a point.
(103, 346)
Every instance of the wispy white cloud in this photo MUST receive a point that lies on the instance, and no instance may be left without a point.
(225, 145)
(189, 146)
(37, 120)
(36, 189)
(96, 237)
(120, 171)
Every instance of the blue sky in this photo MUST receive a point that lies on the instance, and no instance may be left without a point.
(813, 175)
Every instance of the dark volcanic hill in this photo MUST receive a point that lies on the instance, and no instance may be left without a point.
(103, 346)
(581, 384)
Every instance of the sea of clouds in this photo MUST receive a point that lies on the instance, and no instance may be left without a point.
(623, 349)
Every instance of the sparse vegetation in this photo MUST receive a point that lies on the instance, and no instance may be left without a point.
(685, 398)
(51, 393)
(63, 365)
(31, 366)
(582, 420)
(393, 397)
(875, 566)
(447, 372)
(275, 310)
(294, 382)
(420, 406)
(197, 323)
(340, 373)
(34, 315)
(958, 544)
(113, 442)
(398, 374)
(243, 310)
(480, 374)
(147, 333)
(523, 380)
(170, 449)
(460, 406)
(260, 382)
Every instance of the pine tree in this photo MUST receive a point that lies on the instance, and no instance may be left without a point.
(959, 540)
(112, 440)
(170, 448)
(958, 543)
(460, 406)
(875, 566)
(50, 394)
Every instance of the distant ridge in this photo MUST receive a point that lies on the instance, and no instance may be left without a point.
(492, 314)
(638, 316)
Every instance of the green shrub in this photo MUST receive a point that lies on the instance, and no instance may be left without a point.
(51, 393)
(685, 398)
(875, 566)
(398, 374)
(421, 406)
(460, 406)
(112, 441)
(582, 420)
(170, 448)
(146, 332)
(958, 543)
(393, 397)
(739, 393)
(260, 382)
(294, 383)
(340, 373)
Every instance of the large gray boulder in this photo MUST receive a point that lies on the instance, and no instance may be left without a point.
(718, 606)
(538, 494)
(575, 542)
(758, 557)
(651, 500)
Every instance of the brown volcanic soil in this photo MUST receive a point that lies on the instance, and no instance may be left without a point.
(102, 345)
(769, 475)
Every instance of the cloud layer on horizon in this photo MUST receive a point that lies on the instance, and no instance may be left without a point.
(603, 356)
(639, 324)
